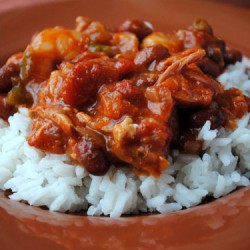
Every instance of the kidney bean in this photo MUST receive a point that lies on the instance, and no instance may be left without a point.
(199, 118)
(215, 54)
(217, 43)
(209, 67)
(231, 56)
(234, 101)
(188, 142)
(6, 73)
(140, 28)
(6, 110)
(92, 156)
(149, 54)
(247, 99)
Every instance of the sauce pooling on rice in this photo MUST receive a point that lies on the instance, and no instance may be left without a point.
(123, 97)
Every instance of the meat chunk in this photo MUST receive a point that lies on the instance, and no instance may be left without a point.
(77, 83)
(192, 88)
(46, 135)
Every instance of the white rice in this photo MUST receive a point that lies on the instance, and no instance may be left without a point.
(50, 180)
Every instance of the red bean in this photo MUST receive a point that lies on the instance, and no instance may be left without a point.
(149, 54)
(6, 73)
(232, 56)
(189, 144)
(209, 67)
(215, 54)
(138, 27)
(248, 103)
(6, 110)
(90, 155)
(218, 43)
(234, 101)
(215, 116)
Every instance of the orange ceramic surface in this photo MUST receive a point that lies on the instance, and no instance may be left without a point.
(221, 224)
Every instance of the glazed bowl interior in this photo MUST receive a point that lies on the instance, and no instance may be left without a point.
(215, 221)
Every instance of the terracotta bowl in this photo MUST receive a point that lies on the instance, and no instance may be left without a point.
(221, 224)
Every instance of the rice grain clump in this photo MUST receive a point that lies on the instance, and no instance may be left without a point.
(43, 179)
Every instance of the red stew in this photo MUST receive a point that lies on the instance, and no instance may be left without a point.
(123, 97)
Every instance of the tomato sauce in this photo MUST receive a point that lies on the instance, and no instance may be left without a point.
(124, 97)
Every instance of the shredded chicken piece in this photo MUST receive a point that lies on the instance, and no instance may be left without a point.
(175, 64)
(56, 114)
